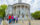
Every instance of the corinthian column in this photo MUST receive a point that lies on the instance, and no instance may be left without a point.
(20, 12)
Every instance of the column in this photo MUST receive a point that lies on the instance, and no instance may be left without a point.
(13, 11)
(25, 13)
(29, 14)
(16, 10)
(20, 12)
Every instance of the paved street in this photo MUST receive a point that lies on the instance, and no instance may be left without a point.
(15, 24)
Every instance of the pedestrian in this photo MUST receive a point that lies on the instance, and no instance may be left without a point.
(12, 18)
(16, 19)
(9, 19)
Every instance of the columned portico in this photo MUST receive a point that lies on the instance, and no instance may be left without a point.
(22, 10)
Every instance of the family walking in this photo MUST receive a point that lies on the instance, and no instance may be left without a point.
(13, 19)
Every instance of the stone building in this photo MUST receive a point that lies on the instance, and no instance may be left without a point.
(21, 10)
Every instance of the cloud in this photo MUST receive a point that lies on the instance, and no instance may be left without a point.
(34, 4)
(3, 2)
(11, 1)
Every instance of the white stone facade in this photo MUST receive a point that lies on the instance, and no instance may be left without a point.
(19, 9)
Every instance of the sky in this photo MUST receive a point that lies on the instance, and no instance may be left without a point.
(34, 4)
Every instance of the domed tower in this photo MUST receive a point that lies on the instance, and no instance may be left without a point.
(22, 10)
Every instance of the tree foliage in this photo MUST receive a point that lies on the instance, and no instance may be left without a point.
(36, 15)
(4, 6)
(2, 10)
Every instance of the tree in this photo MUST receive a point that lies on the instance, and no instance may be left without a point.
(36, 15)
(4, 6)
(2, 10)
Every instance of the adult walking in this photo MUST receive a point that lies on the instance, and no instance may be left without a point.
(16, 19)
(9, 19)
(13, 19)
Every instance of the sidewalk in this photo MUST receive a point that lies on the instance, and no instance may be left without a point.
(19, 23)
(15, 24)
(4, 22)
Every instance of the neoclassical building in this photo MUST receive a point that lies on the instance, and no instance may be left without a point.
(21, 10)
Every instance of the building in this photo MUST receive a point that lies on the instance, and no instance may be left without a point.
(21, 10)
